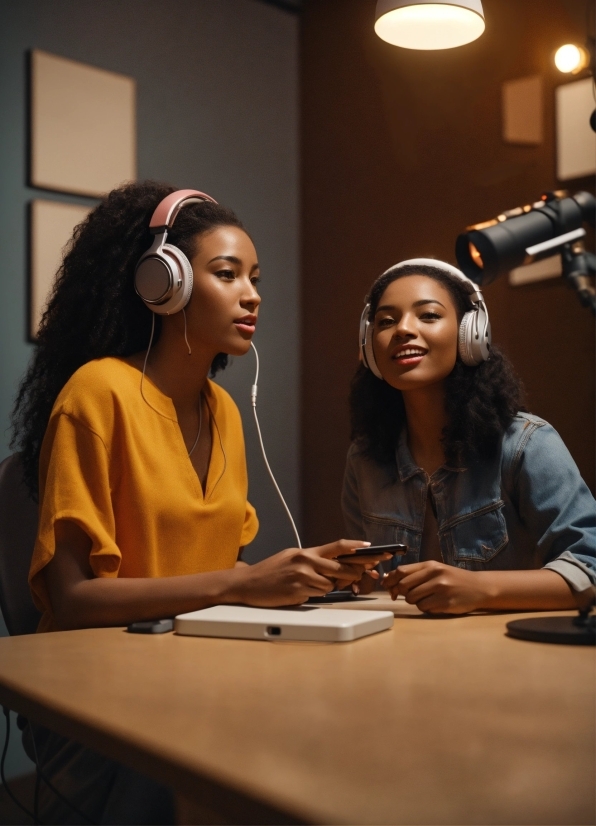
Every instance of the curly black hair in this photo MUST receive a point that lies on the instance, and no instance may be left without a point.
(480, 402)
(93, 310)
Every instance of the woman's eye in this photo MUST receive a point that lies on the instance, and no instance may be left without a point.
(385, 322)
(230, 274)
(255, 280)
(430, 315)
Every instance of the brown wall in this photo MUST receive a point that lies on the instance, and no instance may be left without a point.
(400, 151)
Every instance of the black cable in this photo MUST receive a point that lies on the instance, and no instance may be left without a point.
(51, 786)
(2, 762)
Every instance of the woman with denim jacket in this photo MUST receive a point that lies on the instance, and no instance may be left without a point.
(445, 460)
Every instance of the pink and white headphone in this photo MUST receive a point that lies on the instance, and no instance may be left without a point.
(163, 276)
(474, 337)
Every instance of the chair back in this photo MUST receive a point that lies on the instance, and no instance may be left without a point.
(18, 529)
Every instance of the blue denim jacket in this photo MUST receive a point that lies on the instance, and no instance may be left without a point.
(527, 508)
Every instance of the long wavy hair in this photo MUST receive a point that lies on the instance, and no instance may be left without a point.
(480, 402)
(93, 310)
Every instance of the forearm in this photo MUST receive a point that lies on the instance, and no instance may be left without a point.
(105, 601)
(525, 590)
(81, 600)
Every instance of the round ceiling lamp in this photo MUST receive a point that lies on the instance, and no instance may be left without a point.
(422, 24)
(571, 58)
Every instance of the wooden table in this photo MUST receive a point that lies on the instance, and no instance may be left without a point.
(438, 721)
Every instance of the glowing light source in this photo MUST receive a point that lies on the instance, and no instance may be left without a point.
(571, 58)
(475, 256)
(420, 24)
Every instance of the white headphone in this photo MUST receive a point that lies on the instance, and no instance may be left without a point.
(163, 276)
(474, 337)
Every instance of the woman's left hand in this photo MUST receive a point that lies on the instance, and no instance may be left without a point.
(367, 583)
(437, 588)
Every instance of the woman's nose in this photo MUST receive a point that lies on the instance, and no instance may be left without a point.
(251, 298)
(404, 327)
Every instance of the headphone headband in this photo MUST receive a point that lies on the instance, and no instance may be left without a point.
(167, 210)
(448, 269)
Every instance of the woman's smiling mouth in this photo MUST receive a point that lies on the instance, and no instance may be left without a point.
(409, 355)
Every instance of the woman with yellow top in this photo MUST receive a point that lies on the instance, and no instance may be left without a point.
(138, 457)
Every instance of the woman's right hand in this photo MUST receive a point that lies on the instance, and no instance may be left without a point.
(292, 576)
(369, 582)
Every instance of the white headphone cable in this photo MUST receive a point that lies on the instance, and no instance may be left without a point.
(185, 338)
(253, 399)
(145, 362)
(143, 379)
(200, 423)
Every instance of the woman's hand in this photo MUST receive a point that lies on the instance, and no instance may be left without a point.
(444, 589)
(292, 576)
(367, 583)
(438, 588)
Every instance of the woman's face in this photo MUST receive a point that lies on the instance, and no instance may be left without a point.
(415, 331)
(222, 313)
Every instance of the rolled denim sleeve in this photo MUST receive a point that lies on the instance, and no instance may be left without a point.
(557, 507)
(350, 501)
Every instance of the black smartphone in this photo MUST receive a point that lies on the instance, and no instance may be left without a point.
(333, 596)
(161, 626)
(365, 554)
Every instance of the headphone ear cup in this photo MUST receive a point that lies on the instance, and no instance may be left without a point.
(154, 277)
(464, 340)
(173, 259)
(366, 349)
(474, 337)
(484, 334)
(183, 287)
(369, 353)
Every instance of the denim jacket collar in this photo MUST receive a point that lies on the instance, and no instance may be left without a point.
(407, 467)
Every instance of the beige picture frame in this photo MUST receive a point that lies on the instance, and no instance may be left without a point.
(83, 126)
(522, 104)
(576, 142)
(51, 228)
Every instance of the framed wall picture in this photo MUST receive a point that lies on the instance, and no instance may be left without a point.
(83, 126)
(52, 225)
(541, 270)
(522, 110)
(576, 142)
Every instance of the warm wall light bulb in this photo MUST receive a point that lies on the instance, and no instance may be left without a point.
(425, 25)
(571, 58)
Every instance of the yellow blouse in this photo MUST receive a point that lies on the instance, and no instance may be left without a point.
(117, 465)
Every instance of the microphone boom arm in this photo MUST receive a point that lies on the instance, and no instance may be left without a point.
(579, 269)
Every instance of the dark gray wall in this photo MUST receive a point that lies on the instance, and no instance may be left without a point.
(217, 111)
